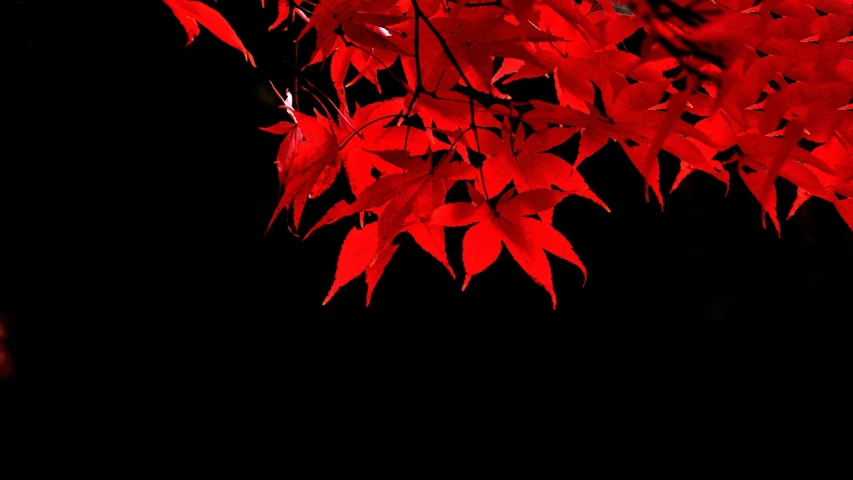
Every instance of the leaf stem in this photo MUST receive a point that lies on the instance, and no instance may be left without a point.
(344, 117)
(359, 129)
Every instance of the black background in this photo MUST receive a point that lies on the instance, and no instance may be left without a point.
(137, 186)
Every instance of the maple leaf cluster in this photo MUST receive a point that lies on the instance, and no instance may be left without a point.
(762, 89)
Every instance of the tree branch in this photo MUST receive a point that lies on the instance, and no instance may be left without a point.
(454, 62)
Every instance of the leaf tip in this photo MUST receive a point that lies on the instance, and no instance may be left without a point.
(331, 293)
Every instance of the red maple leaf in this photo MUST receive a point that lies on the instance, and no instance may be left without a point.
(192, 12)
(632, 119)
(509, 224)
(371, 134)
(357, 257)
(308, 163)
(283, 11)
(525, 162)
(404, 202)
(358, 20)
(475, 37)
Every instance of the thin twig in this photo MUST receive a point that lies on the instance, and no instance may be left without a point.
(359, 129)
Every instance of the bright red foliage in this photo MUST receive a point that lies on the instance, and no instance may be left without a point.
(765, 86)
